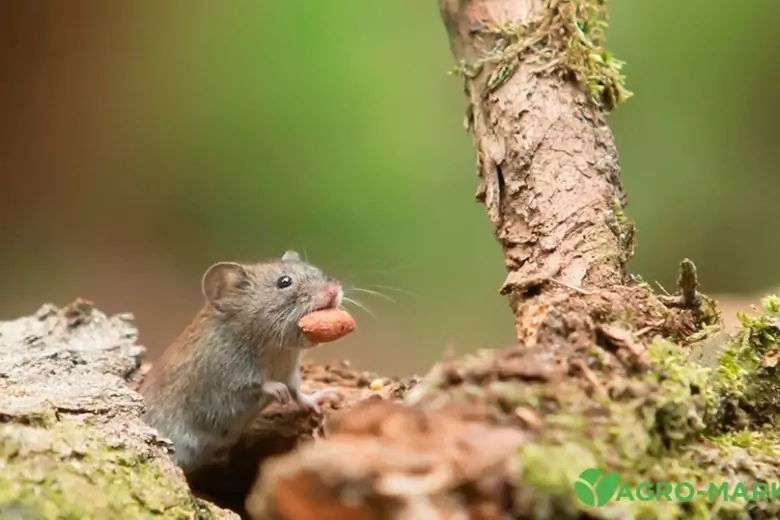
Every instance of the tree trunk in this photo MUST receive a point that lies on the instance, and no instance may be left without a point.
(549, 174)
(522, 432)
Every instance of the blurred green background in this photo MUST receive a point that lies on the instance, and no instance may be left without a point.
(142, 141)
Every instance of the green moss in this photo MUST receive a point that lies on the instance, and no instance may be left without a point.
(550, 471)
(649, 427)
(653, 436)
(763, 442)
(583, 23)
(685, 400)
(68, 472)
(567, 39)
(711, 316)
(624, 229)
(747, 376)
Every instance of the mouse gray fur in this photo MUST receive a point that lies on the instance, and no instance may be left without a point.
(241, 352)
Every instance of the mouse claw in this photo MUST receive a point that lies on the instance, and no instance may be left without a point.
(278, 391)
(314, 400)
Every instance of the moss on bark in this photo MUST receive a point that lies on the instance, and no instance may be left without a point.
(67, 472)
(673, 422)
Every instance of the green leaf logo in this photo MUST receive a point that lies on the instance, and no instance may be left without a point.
(595, 488)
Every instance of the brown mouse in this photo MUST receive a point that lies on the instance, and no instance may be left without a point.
(241, 352)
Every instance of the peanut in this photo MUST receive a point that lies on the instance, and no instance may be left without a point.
(326, 325)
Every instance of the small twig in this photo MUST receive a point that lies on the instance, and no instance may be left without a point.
(662, 287)
(590, 376)
(645, 330)
(687, 283)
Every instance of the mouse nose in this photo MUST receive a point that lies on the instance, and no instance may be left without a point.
(332, 295)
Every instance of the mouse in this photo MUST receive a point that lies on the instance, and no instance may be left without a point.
(241, 352)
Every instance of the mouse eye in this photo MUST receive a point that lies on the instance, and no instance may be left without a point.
(283, 282)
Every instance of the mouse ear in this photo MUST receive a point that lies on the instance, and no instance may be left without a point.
(291, 256)
(220, 282)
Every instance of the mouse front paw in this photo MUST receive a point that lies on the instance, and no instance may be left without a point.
(278, 391)
(314, 400)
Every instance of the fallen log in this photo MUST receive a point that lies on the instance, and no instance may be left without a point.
(72, 444)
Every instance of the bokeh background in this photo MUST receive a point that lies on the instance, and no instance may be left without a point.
(141, 141)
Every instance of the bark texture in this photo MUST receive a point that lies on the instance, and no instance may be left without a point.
(508, 434)
(498, 434)
(549, 173)
(72, 444)
(591, 386)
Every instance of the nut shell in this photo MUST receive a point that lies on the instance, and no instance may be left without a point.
(326, 325)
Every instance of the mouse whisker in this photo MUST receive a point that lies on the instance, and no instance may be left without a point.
(291, 319)
(372, 292)
(360, 305)
(281, 325)
(391, 288)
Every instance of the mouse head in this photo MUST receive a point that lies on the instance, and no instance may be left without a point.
(270, 297)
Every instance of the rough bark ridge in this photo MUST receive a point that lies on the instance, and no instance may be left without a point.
(548, 169)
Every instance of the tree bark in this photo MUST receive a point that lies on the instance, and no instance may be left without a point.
(549, 173)
(503, 433)
(72, 442)
(514, 432)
